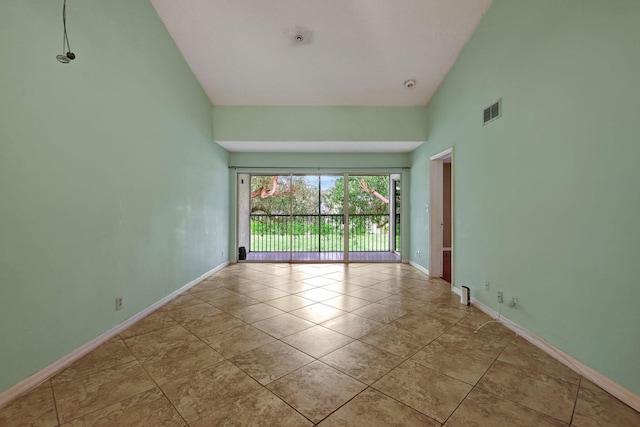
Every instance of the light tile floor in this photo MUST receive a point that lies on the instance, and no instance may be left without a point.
(322, 344)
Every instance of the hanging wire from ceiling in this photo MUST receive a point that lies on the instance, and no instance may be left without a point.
(65, 58)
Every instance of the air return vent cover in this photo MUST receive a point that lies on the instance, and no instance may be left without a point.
(492, 112)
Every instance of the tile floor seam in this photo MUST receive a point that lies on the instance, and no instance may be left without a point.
(538, 372)
(127, 398)
(147, 332)
(442, 373)
(55, 402)
(173, 406)
(159, 388)
(90, 373)
(301, 351)
(459, 404)
(190, 292)
(207, 414)
(279, 339)
(113, 403)
(462, 350)
(341, 406)
(401, 402)
(265, 385)
(575, 404)
(348, 374)
(284, 401)
(202, 340)
(519, 403)
(424, 346)
(193, 295)
(488, 369)
(330, 367)
(318, 358)
(168, 313)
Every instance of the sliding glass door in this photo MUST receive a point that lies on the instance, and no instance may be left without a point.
(304, 218)
(318, 221)
(371, 219)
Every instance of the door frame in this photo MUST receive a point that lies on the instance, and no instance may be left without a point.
(393, 211)
(436, 212)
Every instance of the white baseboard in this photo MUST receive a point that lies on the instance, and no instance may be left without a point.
(419, 267)
(62, 363)
(611, 387)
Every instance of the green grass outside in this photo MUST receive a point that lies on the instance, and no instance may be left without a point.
(313, 242)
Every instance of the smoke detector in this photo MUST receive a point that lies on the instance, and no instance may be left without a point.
(409, 84)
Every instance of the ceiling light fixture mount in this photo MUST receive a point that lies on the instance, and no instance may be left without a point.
(409, 84)
(299, 36)
(65, 58)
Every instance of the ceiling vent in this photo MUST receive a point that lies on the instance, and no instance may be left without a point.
(493, 112)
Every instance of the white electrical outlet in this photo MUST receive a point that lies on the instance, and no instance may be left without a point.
(118, 303)
(513, 302)
(222, 253)
(500, 297)
(418, 254)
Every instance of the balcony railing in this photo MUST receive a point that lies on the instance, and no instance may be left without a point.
(320, 233)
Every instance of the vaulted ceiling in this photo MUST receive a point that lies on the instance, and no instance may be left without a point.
(320, 52)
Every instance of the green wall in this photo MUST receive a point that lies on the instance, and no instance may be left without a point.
(110, 182)
(297, 162)
(319, 123)
(546, 198)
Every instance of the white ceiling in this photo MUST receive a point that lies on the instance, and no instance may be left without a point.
(354, 52)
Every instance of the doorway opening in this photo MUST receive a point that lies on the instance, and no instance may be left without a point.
(441, 216)
(319, 218)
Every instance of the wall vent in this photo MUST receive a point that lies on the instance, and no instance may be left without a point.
(492, 112)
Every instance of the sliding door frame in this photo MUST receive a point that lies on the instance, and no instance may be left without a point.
(251, 172)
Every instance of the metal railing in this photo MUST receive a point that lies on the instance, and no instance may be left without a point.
(320, 233)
